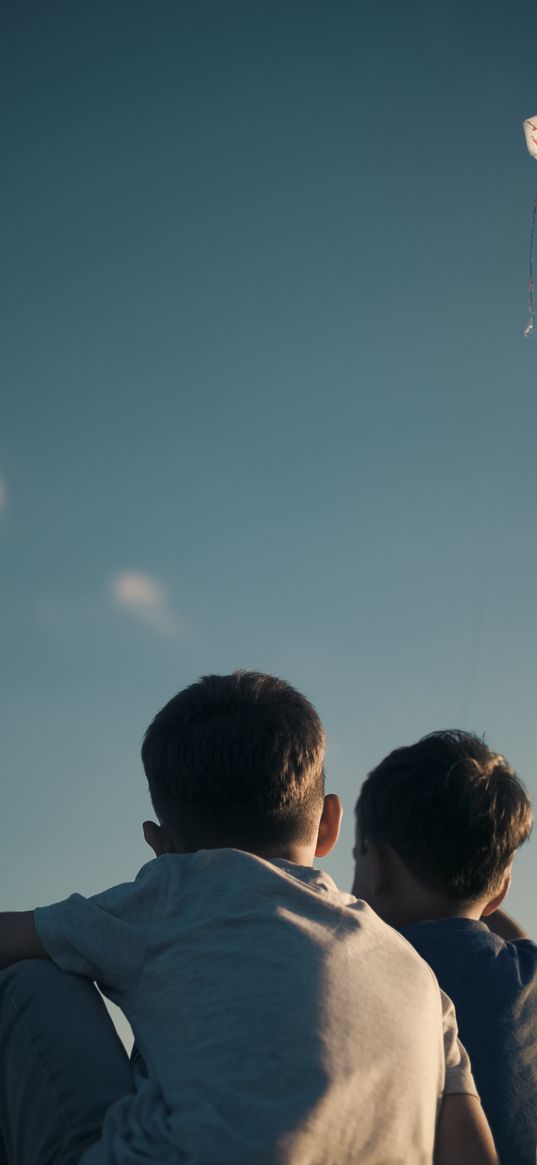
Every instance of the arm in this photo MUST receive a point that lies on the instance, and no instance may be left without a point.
(505, 927)
(18, 938)
(463, 1136)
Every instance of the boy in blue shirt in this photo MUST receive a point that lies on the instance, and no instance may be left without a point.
(277, 1020)
(438, 825)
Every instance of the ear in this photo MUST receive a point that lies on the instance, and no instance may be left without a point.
(329, 825)
(373, 867)
(158, 838)
(379, 866)
(499, 897)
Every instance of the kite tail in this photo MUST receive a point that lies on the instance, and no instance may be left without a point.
(530, 328)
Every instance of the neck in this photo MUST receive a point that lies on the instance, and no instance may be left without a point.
(404, 900)
(404, 911)
(300, 855)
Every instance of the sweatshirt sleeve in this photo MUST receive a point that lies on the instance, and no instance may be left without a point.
(459, 1076)
(104, 937)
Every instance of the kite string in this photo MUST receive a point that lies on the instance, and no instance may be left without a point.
(530, 328)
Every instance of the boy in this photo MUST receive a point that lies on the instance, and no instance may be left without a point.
(278, 1021)
(438, 825)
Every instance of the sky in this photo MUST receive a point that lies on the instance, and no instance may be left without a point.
(266, 398)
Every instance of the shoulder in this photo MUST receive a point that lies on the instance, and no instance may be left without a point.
(465, 948)
(518, 957)
(403, 962)
(452, 938)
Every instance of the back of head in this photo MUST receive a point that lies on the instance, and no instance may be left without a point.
(236, 760)
(454, 811)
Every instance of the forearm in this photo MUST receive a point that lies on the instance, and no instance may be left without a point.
(463, 1136)
(19, 938)
(504, 926)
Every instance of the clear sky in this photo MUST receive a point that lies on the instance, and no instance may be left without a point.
(266, 400)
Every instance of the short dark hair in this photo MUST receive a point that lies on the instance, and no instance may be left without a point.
(454, 811)
(236, 760)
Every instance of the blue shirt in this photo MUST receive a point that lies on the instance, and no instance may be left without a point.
(493, 985)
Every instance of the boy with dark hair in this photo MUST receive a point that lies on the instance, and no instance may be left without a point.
(277, 1020)
(438, 825)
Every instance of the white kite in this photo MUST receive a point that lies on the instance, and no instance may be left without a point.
(530, 132)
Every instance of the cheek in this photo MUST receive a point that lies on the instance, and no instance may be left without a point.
(361, 886)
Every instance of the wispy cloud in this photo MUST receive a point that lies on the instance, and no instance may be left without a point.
(146, 598)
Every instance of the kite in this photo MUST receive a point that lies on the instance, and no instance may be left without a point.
(530, 131)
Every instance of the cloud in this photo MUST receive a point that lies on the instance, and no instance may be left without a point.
(146, 598)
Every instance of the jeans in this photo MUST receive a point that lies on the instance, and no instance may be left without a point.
(62, 1065)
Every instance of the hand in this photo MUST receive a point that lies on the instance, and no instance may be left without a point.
(505, 927)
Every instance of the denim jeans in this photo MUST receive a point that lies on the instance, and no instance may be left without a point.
(62, 1065)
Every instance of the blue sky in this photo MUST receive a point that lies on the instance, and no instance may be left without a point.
(266, 401)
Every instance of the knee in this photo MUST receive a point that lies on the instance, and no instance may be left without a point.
(32, 979)
(38, 986)
(28, 972)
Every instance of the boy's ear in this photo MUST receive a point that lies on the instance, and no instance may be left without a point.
(499, 897)
(158, 838)
(380, 866)
(329, 825)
